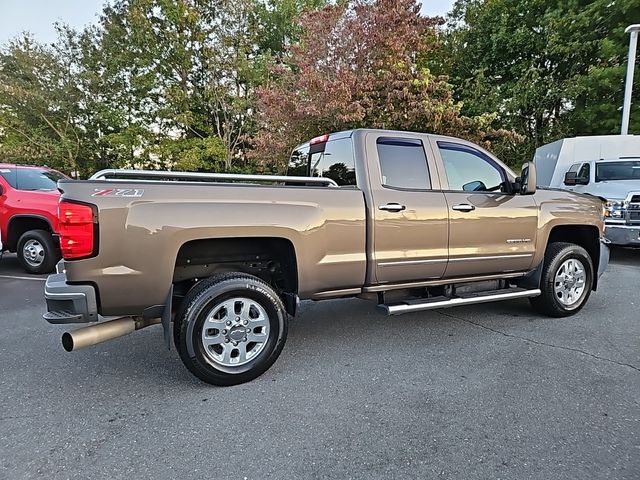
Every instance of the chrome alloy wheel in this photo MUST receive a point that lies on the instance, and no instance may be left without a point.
(569, 283)
(33, 253)
(235, 331)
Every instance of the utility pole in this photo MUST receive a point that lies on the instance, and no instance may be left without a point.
(628, 87)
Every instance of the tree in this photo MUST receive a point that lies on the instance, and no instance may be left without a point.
(39, 106)
(348, 71)
(549, 68)
(276, 22)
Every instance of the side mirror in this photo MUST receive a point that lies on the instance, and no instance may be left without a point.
(570, 178)
(475, 186)
(528, 179)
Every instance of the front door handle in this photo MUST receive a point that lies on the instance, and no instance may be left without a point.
(392, 207)
(463, 207)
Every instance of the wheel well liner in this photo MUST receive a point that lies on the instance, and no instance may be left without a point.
(270, 258)
(587, 236)
(19, 224)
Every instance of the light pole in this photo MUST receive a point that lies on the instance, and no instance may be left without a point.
(628, 87)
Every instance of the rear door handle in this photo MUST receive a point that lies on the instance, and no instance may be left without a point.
(463, 207)
(392, 207)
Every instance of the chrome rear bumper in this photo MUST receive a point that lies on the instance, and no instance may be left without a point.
(69, 303)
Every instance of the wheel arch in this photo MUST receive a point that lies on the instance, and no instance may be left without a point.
(586, 236)
(272, 259)
(21, 223)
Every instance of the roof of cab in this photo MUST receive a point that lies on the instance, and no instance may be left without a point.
(17, 165)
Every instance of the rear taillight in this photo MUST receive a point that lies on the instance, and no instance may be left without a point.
(76, 230)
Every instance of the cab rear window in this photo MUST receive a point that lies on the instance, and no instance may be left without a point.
(333, 159)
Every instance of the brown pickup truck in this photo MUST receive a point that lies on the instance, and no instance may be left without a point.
(412, 221)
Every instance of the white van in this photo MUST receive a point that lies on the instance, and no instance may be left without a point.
(607, 166)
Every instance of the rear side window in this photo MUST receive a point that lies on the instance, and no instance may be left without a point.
(9, 174)
(403, 163)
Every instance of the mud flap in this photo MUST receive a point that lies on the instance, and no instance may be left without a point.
(166, 319)
(532, 279)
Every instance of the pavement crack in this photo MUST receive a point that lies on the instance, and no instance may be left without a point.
(15, 417)
(537, 342)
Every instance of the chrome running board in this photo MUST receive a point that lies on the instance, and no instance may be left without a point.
(417, 305)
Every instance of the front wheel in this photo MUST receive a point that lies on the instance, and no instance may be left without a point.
(567, 280)
(37, 252)
(230, 329)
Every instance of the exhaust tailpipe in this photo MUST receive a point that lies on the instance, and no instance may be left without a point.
(104, 331)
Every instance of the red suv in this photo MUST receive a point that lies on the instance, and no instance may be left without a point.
(29, 215)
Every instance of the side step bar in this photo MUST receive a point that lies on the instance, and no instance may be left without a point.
(443, 302)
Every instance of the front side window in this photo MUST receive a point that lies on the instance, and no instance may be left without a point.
(584, 172)
(403, 163)
(469, 170)
(623, 170)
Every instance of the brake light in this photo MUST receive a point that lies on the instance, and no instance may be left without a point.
(76, 230)
(320, 139)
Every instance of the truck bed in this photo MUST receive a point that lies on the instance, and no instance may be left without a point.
(142, 226)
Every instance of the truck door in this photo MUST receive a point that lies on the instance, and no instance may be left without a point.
(410, 221)
(491, 230)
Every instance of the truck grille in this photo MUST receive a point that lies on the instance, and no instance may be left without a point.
(633, 209)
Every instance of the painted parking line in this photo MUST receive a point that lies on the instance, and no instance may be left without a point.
(11, 277)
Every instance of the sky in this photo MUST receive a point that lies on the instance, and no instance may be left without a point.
(38, 16)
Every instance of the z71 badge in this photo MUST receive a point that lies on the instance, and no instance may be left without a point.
(118, 192)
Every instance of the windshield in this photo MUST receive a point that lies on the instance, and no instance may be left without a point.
(623, 170)
(31, 178)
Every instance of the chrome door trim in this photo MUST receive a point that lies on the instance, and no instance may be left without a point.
(383, 287)
(492, 257)
(411, 262)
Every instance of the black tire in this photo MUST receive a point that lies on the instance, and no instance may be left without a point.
(199, 304)
(548, 302)
(50, 254)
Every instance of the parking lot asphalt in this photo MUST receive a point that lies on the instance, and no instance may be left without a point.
(480, 392)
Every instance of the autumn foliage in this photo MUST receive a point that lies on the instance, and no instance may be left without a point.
(233, 85)
(360, 64)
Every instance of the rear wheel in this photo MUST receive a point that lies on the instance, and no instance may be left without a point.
(567, 280)
(230, 329)
(37, 252)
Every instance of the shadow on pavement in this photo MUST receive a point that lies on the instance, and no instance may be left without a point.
(625, 256)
